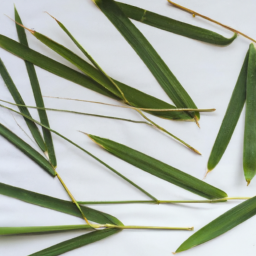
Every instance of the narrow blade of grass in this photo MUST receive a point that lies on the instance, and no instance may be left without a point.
(222, 224)
(116, 86)
(78, 113)
(231, 117)
(135, 97)
(76, 242)
(249, 156)
(26, 149)
(18, 99)
(148, 54)
(174, 26)
(159, 169)
(37, 93)
(57, 204)
(6, 231)
(87, 152)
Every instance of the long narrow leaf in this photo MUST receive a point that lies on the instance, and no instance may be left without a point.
(76, 242)
(249, 158)
(6, 231)
(37, 93)
(87, 152)
(159, 169)
(135, 97)
(57, 204)
(222, 224)
(26, 149)
(148, 54)
(174, 26)
(231, 117)
(18, 99)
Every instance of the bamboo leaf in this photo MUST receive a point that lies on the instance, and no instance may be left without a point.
(231, 117)
(174, 26)
(76, 242)
(27, 149)
(249, 156)
(18, 99)
(147, 53)
(57, 204)
(135, 97)
(109, 79)
(159, 169)
(5, 231)
(222, 224)
(37, 93)
(87, 152)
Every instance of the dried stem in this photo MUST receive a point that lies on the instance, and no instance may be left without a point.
(207, 18)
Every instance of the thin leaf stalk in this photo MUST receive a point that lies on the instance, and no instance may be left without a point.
(207, 18)
(87, 152)
(144, 109)
(218, 200)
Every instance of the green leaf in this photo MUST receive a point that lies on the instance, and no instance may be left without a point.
(231, 117)
(249, 156)
(147, 53)
(5, 231)
(135, 97)
(174, 26)
(76, 242)
(222, 224)
(18, 99)
(26, 149)
(57, 204)
(159, 169)
(37, 93)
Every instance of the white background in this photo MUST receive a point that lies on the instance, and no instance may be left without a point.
(207, 72)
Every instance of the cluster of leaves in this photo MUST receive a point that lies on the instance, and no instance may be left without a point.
(94, 78)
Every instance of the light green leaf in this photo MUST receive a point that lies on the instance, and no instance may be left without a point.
(159, 169)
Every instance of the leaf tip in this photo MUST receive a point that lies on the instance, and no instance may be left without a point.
(30, 30)
(248, 182)
(52, 17)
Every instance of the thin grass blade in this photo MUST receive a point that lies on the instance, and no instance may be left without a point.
(18, 99)
(147, 53)
(78, 113)
(87, 152)
(135, 97)
(6, 231)
(27, 149)
(159, 169)
(174, 26)
(37, 93)
(249, 155)
(57, 204)
(76, 242)
(222, 224)
(231, 117)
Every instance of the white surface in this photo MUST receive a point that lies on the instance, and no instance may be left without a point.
(207, 72)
